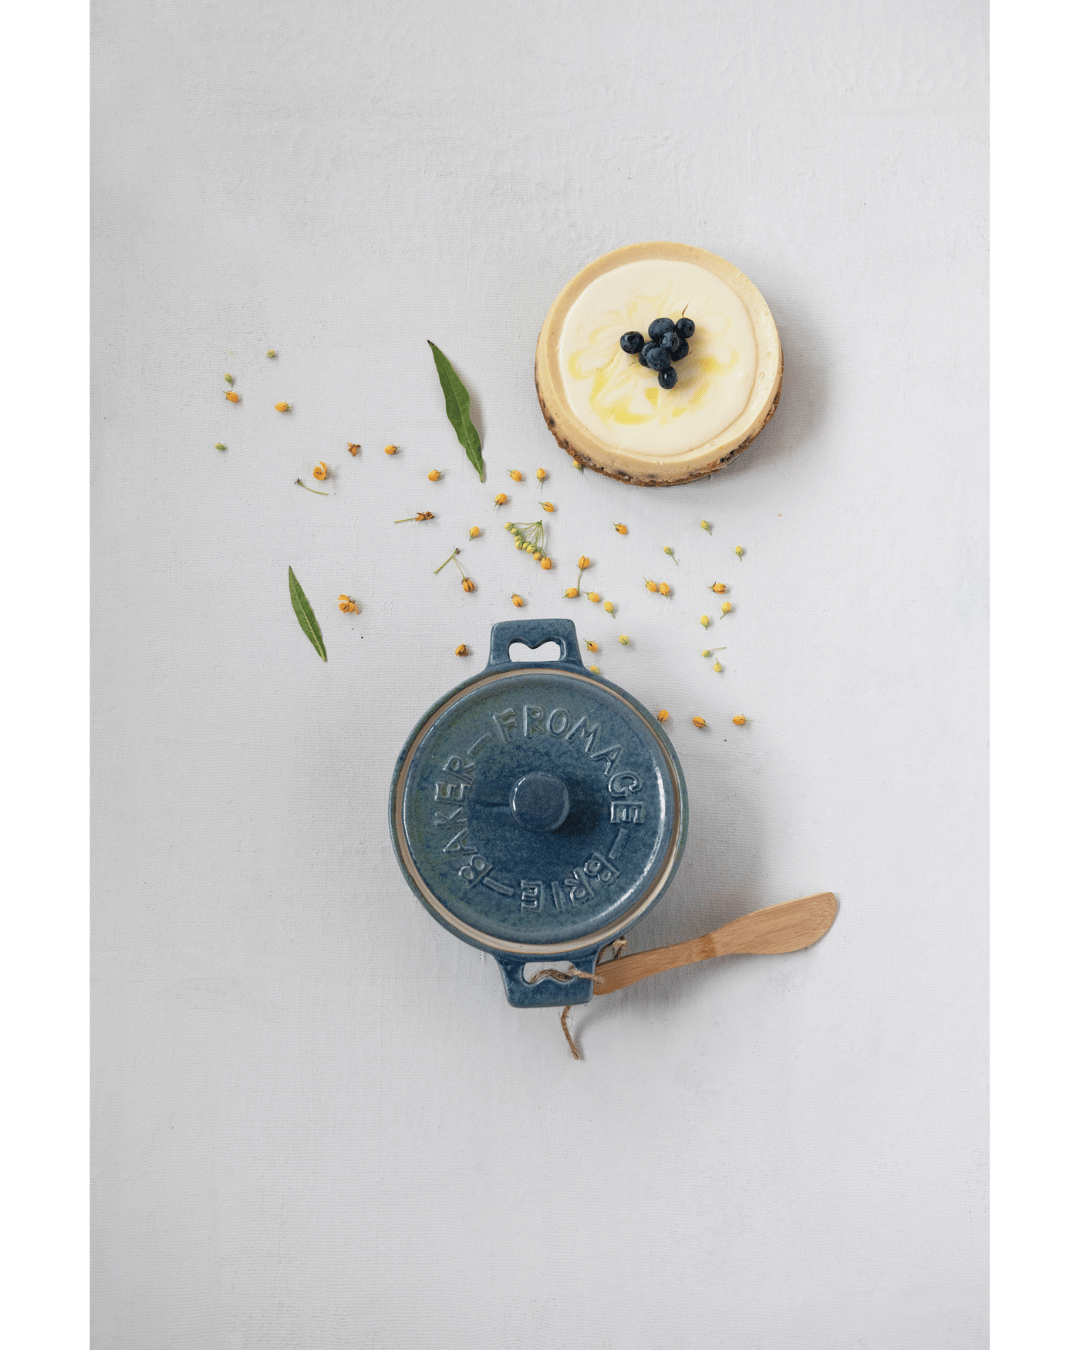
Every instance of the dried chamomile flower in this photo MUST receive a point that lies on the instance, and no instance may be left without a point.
(620, 529)
(662, 715)
(434, 475)
(699, 722)
(353, 450)
(233, 396)
(516, 601)
(461, 651)
(282, 407)
(320, 470)
(474, 531)
(739, 720)
(348, 605)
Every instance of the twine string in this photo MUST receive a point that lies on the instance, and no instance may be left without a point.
(616, 949)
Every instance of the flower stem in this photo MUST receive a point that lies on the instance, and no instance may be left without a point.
(309, 489)
(443, 564)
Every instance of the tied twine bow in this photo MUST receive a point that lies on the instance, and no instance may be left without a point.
(565, 976)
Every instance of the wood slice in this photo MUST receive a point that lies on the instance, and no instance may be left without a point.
(608, 451)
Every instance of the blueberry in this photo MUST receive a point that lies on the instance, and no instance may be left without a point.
(641, 358)
(656, 357)
(670, 342)
(685, 328)
(659, 327)
(668, 378)
(681, 350)
(631, 343)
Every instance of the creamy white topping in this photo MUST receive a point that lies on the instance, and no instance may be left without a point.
(617, 398)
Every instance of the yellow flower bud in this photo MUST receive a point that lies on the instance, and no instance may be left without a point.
(467, 584)
(233, 396)
(578, 465)
(229, 379)
(739, 550)
(546, 564)
(594, 597)
(664, 588)
(548, 506)
(461, 651)
(592, 646)
(515, 475)
(516, 601)
(434, 476)
(353, 450)
(271, 352)
(609, 607)
(583, 562)
(699, 722)
(740, 720)
(717, 667)
(474, 531)
(501, 500)
(320, 471)
(650, 585)
(595, 670)
(219, 446)
(572, 593)
(704, 621)
(706, 526)
(706, 651)
(725, 608)
(541, 474)
(621, 529)
(662, 715)
(391, 449)
(282, 407)
(624, 641)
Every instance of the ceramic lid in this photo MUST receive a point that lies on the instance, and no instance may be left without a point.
(538, 808)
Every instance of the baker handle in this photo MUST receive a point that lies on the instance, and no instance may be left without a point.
(534, 633)
(547, 991)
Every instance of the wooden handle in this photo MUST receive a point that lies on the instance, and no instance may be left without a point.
(780, 928)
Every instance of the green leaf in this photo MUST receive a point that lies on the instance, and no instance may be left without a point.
(457, 409)
(306, 615)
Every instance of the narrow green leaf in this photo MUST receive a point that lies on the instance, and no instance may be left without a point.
(457, 409)
(306, 615)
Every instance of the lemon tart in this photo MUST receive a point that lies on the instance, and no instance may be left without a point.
(603, 400)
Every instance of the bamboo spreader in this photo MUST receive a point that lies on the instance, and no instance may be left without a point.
(780, 928)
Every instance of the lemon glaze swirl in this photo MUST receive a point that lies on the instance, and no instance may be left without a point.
(617, 398)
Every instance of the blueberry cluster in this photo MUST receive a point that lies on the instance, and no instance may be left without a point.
(668, 342)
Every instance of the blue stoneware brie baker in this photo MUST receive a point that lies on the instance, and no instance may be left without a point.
(538, 811)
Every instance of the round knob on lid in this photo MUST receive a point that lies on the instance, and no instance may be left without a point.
(540, 802)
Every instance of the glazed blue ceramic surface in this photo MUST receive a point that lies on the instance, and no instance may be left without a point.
(538, 811)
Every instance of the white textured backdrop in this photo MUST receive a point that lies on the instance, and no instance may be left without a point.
(318, 1123)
